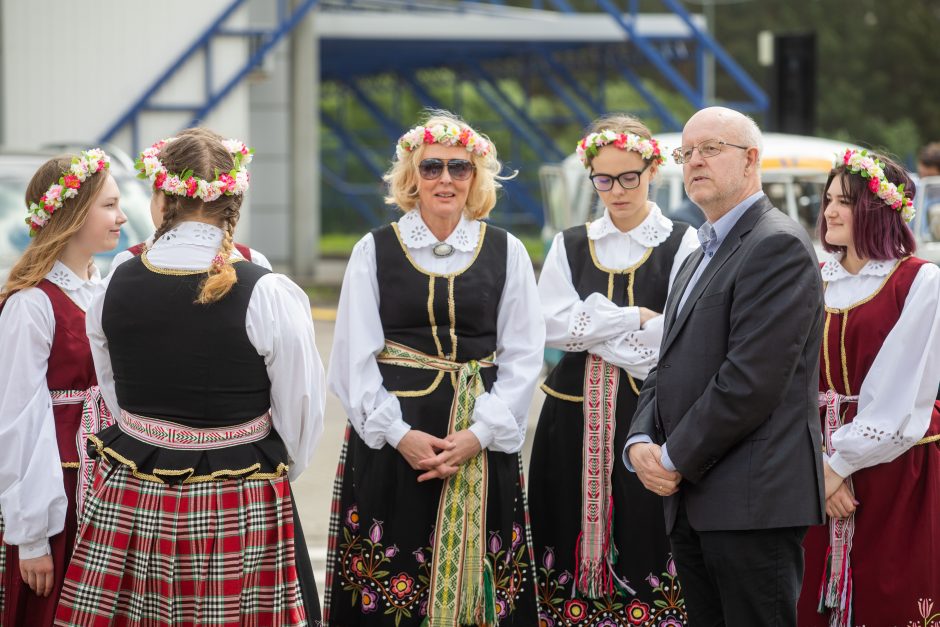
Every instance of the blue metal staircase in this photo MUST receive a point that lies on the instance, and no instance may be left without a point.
(575, 76)
(262, 40)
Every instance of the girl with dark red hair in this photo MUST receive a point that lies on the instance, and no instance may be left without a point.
(877, 561)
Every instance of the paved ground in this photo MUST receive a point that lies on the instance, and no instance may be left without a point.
(314, 488)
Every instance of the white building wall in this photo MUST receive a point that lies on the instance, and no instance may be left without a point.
(71, 69)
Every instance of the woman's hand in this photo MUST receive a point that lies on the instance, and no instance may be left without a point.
(842, 503)
(833, 481)
(464, 445)
(419, 445)
(646, 315)
(38, 574)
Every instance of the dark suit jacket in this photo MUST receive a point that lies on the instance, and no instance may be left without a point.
(735, 392)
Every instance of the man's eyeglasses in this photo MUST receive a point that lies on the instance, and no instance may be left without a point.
(708, 148)
(627, 180)
(459, 169)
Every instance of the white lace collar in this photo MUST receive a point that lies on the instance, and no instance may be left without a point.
(62, 276)
(194, 233)
(653, 231)
(832, 270)
(416, 234)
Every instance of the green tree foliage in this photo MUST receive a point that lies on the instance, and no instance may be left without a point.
(878, 63)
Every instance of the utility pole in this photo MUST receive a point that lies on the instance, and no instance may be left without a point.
(304, 148)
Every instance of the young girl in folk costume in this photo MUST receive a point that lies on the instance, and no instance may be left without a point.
(193, 234)
(209, 364)
(50, 399)
(185, 231)
(599, 535)
(877, 562)
(437, 349)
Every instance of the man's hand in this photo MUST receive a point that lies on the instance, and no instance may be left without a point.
(38, 575)
(419, 445)
(842, 502)
(833, 480)
(646, 459)
(646, 315)
(463, 446)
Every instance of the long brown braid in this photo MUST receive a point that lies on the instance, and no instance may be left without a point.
(202, 151)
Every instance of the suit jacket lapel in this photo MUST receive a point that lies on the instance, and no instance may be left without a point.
(730, 244)
(680, 285)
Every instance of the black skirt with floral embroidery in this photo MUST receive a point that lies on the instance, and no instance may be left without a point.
(382, 531)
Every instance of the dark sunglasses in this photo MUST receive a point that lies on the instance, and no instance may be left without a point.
(627, 180)
(459, 169)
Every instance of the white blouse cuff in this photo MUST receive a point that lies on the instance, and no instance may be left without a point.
(384, 424)
(32, 550)
(396, 431)
(484, 434)
(495, 426)
(598, 314)
(839, 465)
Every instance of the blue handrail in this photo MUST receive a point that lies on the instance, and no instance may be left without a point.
(287, 21)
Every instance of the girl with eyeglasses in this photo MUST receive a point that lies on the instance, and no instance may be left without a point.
(599, 535)
(436, 353)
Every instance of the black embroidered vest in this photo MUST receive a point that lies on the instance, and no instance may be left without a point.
(648, 287)
(178, 360)
(452, 316)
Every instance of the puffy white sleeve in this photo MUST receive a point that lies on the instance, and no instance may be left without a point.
(32, 494)
(572, 324)
(897, 397)
(637, 351)
(501, 415)
(354, 375)
(99, 343)
(280, 328)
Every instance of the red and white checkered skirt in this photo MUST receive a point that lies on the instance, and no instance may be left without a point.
(149, 554)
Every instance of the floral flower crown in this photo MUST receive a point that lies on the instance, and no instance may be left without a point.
(648, 148)
(868, 167)
(231, 183)
(88, 162)
(445, 134)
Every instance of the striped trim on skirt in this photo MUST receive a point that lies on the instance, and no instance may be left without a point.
(149, 554)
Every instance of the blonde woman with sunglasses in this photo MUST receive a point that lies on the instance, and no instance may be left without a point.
(437, 349)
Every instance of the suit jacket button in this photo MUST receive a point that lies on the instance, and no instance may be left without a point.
(664, 366)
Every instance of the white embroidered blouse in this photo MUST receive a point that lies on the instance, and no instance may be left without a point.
(32, 497)
(596, 324)
(500, 415)
(898, 393)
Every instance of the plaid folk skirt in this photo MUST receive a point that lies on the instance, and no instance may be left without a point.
(154, 555)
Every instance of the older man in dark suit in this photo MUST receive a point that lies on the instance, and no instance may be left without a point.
(727, 426)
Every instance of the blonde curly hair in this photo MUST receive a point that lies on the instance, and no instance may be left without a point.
(402, 177)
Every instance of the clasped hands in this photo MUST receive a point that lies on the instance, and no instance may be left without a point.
(646, 458)
(840, 502)
(438, 457)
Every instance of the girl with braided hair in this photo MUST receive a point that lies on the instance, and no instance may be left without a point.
(50, 396)
(156, 213)
(209, 366)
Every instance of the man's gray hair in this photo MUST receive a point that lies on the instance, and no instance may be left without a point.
(752, 135)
